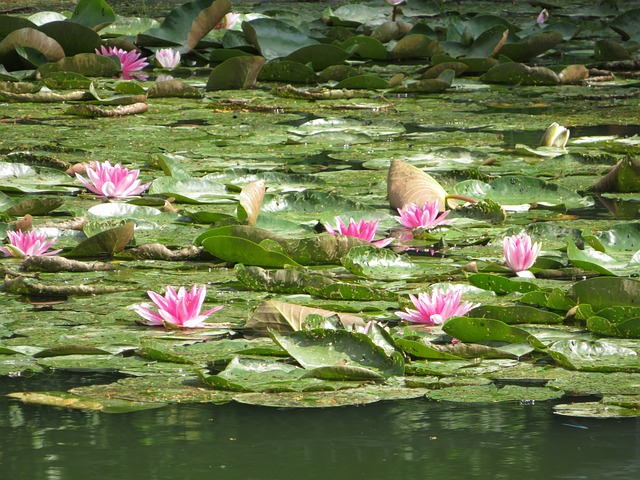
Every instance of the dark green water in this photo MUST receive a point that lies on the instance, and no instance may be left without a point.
(405, 440)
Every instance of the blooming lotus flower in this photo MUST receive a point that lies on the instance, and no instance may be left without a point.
(29, 244)
(412, 216)
(181, 308)
(130, 61)
(168, 57)
(543, 16)
(435, 309)
(520, 253)
(228, 21)
(113, 181)
(555, 136)
(363, 230)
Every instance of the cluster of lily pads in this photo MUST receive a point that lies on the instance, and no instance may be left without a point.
(400, 320)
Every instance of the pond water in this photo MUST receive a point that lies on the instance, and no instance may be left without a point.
(414, 439)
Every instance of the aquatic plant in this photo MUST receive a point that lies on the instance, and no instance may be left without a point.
(168, 57)
(555, 136)
(130, 61)
(427, 217)
(228, 21)
(113, 181)
(543, 16)
(181, 308)
(363, 229)
(28, 244)
(436, 308)
(520, 253)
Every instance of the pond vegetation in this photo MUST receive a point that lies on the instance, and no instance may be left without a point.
(299, 162)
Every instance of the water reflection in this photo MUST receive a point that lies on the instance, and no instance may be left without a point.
(410, 440)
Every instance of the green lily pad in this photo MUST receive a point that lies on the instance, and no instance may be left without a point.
(513, 73)
(73, 37)
(370, 261)
(272, 315)
(502, 285)
(108, 242)
(597, 356)
(186, 25)
(236, 73)
(515, 314)
(325, 348)
(492, 394)
(92, 14)
(87, 64)
(366, 47)
(275, 38)
(603, 292)
(320, 56)
(287, 71)
(478, 330)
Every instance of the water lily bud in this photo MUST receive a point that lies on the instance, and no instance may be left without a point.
(555, 136)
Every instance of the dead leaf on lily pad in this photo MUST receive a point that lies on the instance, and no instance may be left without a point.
(250, 201)
(408, 184)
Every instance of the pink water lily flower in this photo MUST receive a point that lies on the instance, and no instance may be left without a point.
(181, 308)
(435, 309)
(29, 244)
(364, 230)
(520, 253)
(168, 57)
(113, 181)
(228, 21)
(427, 217)
(130, 61)
(543, 16)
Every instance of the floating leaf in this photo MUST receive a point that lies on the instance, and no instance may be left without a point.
(377, 263)
(240, 250)
(72, 37)
(328, 348)
(603, 292)
(415, 46)
(502, 285)
(597, 356)
(515, 314)
(366, 81)
(186, 25)
(275, 38)
(88, 64)
(287, 71)
(624, 177)
(531, 47)
(514, 73)
(477, 330)
(590, 260)
(320, 56)
(32, 39)
(289, 317)
(367, 47)
(492, 394)
(173, 88)
(108, 242)
(235, 73)
(93, 14)
(68, 400)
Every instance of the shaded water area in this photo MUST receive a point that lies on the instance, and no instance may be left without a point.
(411, 440)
